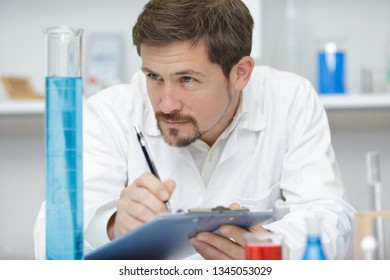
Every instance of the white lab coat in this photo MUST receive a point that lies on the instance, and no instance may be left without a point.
(279, 156)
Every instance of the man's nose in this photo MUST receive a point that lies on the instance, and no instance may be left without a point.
(170, 99)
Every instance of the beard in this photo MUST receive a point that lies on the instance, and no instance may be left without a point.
(172, 136)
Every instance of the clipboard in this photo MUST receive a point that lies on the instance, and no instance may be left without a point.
(166, 237)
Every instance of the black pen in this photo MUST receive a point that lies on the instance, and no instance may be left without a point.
(152, 167)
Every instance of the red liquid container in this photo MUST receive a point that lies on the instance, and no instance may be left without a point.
(263, 252)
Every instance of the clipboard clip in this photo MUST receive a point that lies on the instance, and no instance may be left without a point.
(218, 209)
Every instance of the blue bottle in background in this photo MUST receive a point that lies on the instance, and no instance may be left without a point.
(63, 135)
(331, 70)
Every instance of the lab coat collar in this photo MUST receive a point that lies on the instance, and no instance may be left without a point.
(150, 120)
(252, 117)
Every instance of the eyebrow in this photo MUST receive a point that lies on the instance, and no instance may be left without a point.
(179, 73)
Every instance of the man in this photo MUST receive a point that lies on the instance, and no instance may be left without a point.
(221, 132)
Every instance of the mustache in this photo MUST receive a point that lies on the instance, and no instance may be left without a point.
(175, 117)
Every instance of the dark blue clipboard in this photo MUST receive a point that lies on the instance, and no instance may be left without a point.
(167, 235)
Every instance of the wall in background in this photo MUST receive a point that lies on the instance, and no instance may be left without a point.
(22, 183)
(22, 23)
(362, 28)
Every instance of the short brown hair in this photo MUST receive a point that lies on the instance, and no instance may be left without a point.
(225, 27)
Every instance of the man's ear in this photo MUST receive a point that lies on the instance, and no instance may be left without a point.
(242, 72)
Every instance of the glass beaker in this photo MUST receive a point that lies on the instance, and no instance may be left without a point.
(63, 139)
(263, 246)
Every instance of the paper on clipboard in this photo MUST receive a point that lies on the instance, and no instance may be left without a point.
(167, 235)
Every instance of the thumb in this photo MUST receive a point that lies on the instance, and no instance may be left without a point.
(170, 185)
(234, 205)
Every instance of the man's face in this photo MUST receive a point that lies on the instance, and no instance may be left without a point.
(191, 97)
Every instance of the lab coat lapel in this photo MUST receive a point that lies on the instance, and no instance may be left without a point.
(251, 118)
(184, 157)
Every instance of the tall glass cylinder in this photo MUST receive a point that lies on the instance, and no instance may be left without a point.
(63, 135)
(375, 191)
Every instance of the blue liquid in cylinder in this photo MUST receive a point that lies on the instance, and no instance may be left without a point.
(64, 189)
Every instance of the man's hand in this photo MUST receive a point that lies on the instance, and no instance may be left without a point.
(228, 246)
(139, 203)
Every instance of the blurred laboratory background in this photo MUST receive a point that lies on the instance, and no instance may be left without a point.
(289, 35)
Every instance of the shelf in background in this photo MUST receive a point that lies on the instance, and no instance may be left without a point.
(356, 101)
(21, 107)
(357, 112)
(331, 101)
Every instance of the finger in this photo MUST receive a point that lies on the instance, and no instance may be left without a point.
(140, 193)
(215, 246)
(143, 197)
(258, 228)
(207, 251)
(237, 234)
(170, 186)
(136, 210)
(130, 215)
(234, 232)
(154, 185)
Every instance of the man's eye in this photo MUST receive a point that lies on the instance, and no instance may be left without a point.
(187, 79)
(154, 77)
